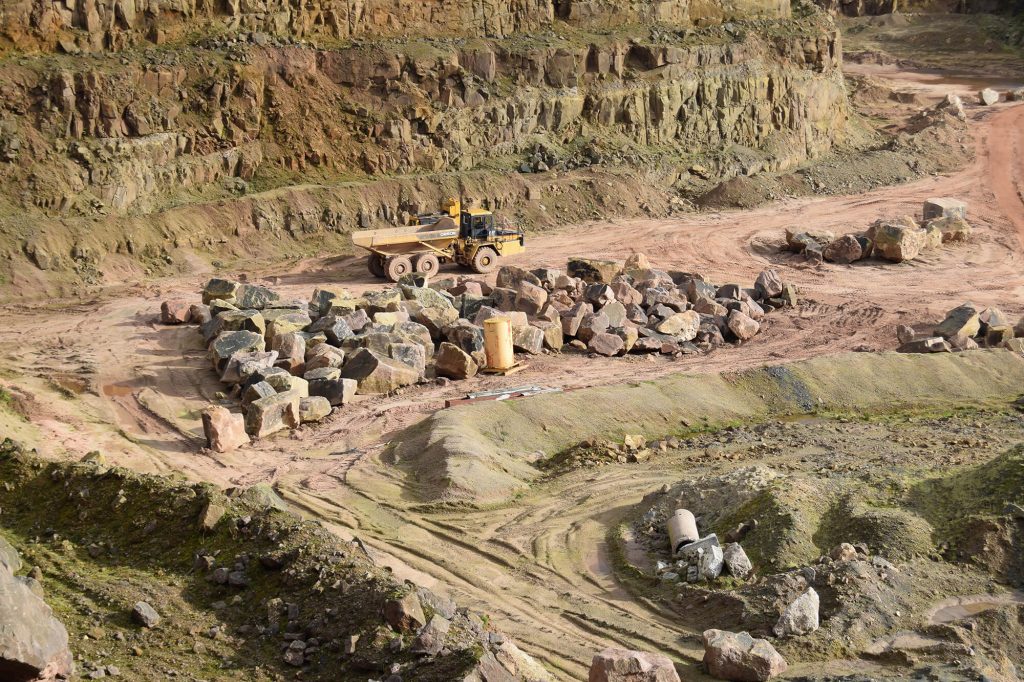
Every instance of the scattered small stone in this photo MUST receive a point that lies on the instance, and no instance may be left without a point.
(145, 615)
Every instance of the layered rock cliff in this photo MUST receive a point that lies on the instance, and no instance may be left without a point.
(116, 113)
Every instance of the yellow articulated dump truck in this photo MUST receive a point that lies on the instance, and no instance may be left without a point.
(469, 238)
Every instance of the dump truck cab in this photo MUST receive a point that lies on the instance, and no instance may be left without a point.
(476, 224)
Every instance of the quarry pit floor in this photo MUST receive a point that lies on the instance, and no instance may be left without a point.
(103, 375)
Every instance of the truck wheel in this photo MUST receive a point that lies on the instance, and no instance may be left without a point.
(375, 264)
(485, 260)
(427, 264)
(396, 266)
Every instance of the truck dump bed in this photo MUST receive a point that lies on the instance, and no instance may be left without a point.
(401, 239)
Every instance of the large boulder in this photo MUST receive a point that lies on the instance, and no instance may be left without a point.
(430, 639)
(843, 250)
(285, 322)
(405, 614)
(963, 320)
(743, 326)
(736, 560)
(988, 97)
(952, 229)
(800, 617)
(224, 429)
(332, 301)
(9, 557)
(799, 240)
(510, 277)
(768, 284)
(594, 270)
(606, 344)
(254, 296)
(291, 352)
(682, 326)
(323, 355)
(327, 383)
(377, 373)
(313, 409)
(623, 665)
(944, 207)
(33, 644)
(336, 328)
(272, 414)
(241, 320)
(592, 325)
(531, 298)
(896, 241)
(740, 657)
(175, 312)
(466, 336)
(573, 318)
(219, 290)
(228, 343)
(427, 297)
(528, 339)
(243, 365)
(454, 363)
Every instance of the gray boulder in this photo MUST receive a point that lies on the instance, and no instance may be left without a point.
(736, 560)
(800, 617)
(272, 414)
(377, 374)
(33, 644)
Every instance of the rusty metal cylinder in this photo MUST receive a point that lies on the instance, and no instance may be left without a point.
(682, 529)
(498, 343)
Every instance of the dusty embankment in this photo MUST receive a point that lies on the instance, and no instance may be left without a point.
(486, 452)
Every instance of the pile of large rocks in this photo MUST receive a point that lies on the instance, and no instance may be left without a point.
(292, 361)
(902, 239)
(965, 327)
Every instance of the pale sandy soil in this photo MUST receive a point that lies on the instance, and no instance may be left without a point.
(103, 375)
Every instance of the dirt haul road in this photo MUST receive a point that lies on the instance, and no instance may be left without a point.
(104, 376)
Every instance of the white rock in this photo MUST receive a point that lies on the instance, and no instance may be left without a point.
(736, 560)
(800, 617)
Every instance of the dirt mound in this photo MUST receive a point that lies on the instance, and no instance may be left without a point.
(902, 588)
(240, 581)
(483, 453)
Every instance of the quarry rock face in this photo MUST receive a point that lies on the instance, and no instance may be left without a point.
(123, 139)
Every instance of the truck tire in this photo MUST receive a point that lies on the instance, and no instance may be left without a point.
(485, 260)
(375, 264)
(427, 264)
(396, 266)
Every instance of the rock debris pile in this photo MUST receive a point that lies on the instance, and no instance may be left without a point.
(288, 362)
(897, 240)
(966, 327)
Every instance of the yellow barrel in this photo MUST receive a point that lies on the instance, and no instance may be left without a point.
(498, 343)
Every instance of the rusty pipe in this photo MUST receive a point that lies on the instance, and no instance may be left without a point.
(682, 529)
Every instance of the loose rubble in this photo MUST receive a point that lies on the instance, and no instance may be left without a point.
(965, 327)
(896, 240)
(280, 357)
